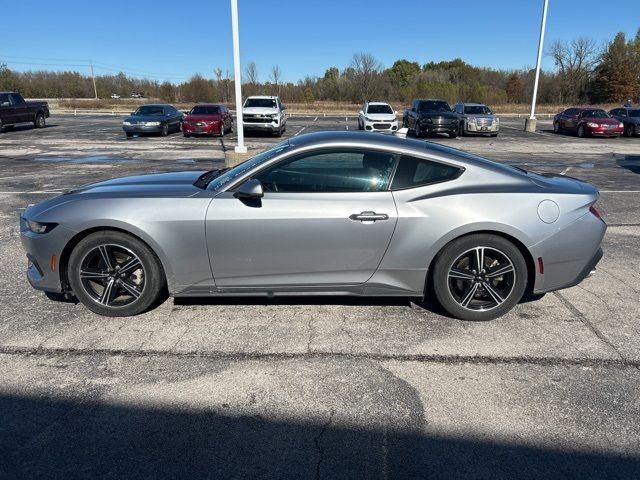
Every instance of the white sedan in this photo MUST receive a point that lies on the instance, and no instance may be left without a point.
(377, 116)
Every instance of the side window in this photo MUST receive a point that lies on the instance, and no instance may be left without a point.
(622, 112)
(15, 99)
(330, 171)
(416, 172)
(4, 100)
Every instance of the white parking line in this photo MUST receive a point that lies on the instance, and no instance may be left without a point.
(31, 193)
(544, 134)
(564, 172)
(299, 132)
(619, 191)
(315, 119)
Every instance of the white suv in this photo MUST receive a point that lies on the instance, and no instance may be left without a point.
(264, 113)
(377, 116)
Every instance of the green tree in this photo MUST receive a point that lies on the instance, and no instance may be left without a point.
(8, 80)
(514, 88)
(402, 72)
(616, 77)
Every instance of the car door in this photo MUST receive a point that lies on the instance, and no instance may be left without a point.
(326, 219)
(20, 109)
(7, 111)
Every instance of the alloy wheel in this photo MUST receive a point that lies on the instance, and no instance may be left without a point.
(112, 275)
(481, 279)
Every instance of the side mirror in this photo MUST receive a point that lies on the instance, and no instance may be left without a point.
(395, 113)
(251, 189)
(360, 112)
(133, 113)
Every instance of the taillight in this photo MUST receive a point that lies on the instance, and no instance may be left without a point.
(593, 210)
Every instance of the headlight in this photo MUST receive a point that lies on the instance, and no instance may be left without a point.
(126, 123)
(471, 120)
(592, 125)
(39, 227)
(152, 124)
(621, 125)
(427, 120)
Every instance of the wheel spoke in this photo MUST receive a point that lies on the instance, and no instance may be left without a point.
(108, 294)
(480, 258)
(107, 256)
(492, 292)
(133, 289)
(460, 274)
(501, 270)
(132, 264)
(469, 295)
(93, 274)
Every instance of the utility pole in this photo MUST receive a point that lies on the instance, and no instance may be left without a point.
(93, 77)
(240, 148)
(530, 123)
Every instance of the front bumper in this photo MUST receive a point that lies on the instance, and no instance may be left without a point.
(142, 128)
(211, 129)
(605, 132)
(263, 127)
(473, 128)
(42, 268)
(429, 128)
(381, 125)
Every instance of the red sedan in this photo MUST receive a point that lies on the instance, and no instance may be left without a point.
(207, 119)
(585, 121)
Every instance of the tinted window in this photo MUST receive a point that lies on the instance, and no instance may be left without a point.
(570, 111)
(260, 102)
(4, 99)
(331, 171)
(203, 110)
(434, 106)
(634, 113)
(415, 172)
(477, 110)
(595, 114)
(379, 109)
(150, 110)
(15, 99)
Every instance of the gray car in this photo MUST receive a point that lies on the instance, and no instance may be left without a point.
(630, 118)
(476, 118)
(330, 213)
(153, 118)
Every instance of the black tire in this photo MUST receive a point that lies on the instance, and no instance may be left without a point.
(630, 130)
(461, 131)
(581, 132)
(453, 135)
(231, 128)
(147, 280)
(452, 291)
(494, 135)
(556, 127)
(165, 130)
(186, 135)
(416, 129)
(39, 121)
(129, 135)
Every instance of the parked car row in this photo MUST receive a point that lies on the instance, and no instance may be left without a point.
(429, 116)
(595, 122)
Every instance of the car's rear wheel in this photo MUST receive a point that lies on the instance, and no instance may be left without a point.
(630, 130)
(115, 274)
(39, 121)
(129, 135)
(581, 131)
(556, 127)
(479, 277)
(453, 135)
(165, 130)
(416, 129)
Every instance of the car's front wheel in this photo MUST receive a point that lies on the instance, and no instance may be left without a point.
(581, 131)
(39, 121)
(556, 127)
(479, 277)
(630, 130)
(165, 130)
(115, 274)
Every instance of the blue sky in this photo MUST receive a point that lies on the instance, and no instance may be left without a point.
(172, 40)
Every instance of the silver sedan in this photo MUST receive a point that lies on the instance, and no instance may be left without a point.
(330, 213)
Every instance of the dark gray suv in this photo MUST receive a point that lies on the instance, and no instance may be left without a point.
(630, 117)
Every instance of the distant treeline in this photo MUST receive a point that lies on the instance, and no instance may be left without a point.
(585, 72)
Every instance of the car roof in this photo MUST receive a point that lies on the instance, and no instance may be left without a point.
(157, 105)
(472, 104)
(263, 96)
(377, 103)
(358, 139)
(208, 105)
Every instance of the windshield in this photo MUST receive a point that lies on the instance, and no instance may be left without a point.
(379, 109)
(202, 110)
(477, 110)
(595, 114)
(431, 106)
(149, 110)
(239, 170)
(260, 102)
(634, 113)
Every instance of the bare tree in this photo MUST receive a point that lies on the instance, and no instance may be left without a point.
(218, 73)
(251, 73)
(365, 70)
(276, 73)
(576, 61)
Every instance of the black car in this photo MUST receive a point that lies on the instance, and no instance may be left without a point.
(630, 117)
(155, 118)
(427, 116)
(15, 110)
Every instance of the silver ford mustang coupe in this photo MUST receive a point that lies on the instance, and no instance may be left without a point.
(329, 213)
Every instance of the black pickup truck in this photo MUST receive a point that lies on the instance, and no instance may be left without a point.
(430, 116)
(14, 109)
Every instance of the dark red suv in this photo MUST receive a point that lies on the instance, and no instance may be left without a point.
(207, 119)
(587, 121)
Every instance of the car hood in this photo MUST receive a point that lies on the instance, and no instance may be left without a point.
(202, 118)
(438, 115)
(603, 121)
(387, 117)
(145, 118)
(480, 116)
(156, 183)
(260, 110)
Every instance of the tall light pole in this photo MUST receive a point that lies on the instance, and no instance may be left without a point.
(240, 148)
(530, 123)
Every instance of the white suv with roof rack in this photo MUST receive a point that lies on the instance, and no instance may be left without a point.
(264, 113)
(377, 116)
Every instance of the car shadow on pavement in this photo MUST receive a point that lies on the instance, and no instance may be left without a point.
(54, 438)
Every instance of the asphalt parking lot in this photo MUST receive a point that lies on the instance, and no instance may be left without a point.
(317, 387)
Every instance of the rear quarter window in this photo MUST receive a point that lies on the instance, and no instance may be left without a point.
(416, 172)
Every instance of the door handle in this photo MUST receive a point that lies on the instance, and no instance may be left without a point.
(369, 216)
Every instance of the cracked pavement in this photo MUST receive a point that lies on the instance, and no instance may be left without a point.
(317, 387)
